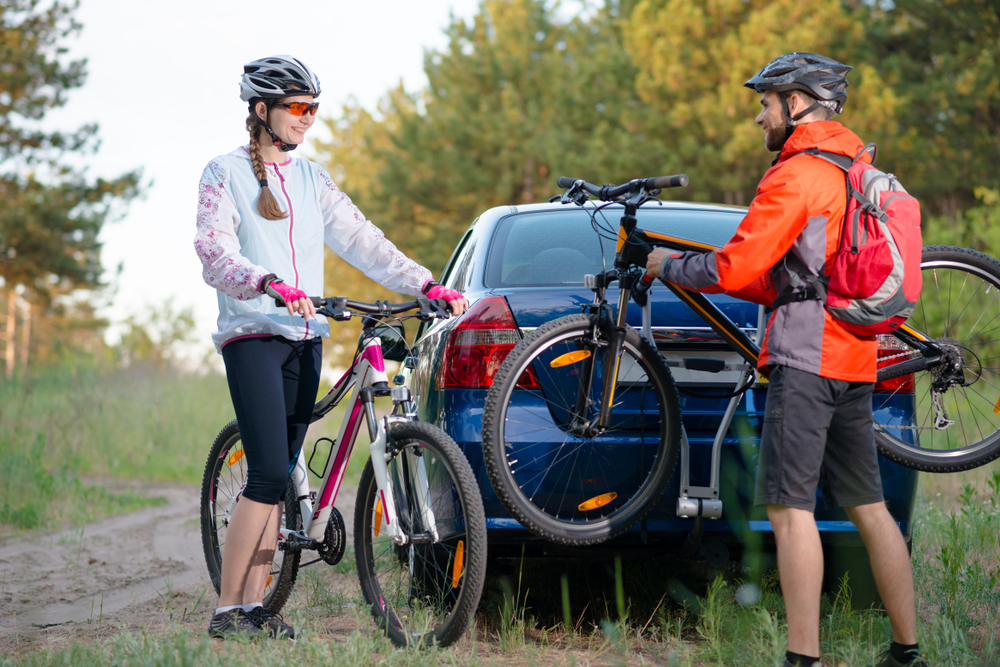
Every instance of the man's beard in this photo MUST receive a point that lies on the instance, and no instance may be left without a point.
(774, 138)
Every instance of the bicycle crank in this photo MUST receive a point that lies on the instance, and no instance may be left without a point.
(331, 550)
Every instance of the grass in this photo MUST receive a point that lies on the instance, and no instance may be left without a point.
(65, 427)
(733, 622)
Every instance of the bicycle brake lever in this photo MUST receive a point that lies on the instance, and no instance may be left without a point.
(575, 195)
(338, 309)
(432, 309)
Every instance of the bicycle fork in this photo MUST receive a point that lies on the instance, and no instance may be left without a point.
(611, 364)
(412, 473)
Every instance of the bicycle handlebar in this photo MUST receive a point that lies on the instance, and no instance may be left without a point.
(611, 192)
(339, 307)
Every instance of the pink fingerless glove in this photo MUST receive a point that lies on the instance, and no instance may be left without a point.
(442, 292)
(287, 292)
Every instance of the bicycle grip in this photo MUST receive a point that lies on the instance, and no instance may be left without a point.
(317, 301)
(565, 182)
(662, 182)
(280, 302)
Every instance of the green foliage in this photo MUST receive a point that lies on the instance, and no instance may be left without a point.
(40, 493)
(139, 424)
(977, 227)
(943, 59)
(155, 338)
(528, 90)
(50, 214)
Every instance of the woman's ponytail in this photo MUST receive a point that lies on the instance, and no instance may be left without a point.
(267, 205)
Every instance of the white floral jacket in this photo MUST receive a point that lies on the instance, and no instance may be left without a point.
(238, 247)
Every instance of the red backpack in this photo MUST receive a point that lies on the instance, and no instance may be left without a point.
(875, 279)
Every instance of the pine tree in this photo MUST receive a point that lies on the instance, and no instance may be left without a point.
(50, 212)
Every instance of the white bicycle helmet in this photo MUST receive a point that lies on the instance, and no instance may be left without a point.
(271, 79)
(276, 77)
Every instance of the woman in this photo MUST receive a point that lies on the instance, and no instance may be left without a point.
(263, 218)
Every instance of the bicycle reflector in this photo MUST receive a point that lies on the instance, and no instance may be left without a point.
(478, 344)
(891, 351)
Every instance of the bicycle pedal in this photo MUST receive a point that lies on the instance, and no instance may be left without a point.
(298, 542)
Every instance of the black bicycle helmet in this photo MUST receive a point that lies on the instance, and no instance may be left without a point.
(822, 77)
(272, 78)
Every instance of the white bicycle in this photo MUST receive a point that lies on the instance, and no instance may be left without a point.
(419, 525)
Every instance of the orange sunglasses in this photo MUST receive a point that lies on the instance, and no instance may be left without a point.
(298, 108)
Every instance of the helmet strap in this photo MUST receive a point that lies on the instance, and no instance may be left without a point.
(281, 145)
(790, 121)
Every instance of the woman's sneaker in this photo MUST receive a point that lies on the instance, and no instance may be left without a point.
(915, 661)
(271, 623)
(231, 624)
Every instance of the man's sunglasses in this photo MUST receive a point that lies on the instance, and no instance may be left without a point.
(298, 108)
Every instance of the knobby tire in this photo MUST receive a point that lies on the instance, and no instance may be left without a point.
(564, 487)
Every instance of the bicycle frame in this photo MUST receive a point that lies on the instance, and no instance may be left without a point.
(634, 244)
(365, 379)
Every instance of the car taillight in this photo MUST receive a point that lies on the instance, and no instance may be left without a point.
(888, 349)
(478, 345)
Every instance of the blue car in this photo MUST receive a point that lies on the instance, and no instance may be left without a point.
(523, 266)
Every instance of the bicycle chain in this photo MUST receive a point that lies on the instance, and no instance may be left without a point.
(900, 427)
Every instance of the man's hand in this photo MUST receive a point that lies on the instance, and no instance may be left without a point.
(654, 259)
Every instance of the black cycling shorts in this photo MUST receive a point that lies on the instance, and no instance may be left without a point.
(817, 431)
(273, 382)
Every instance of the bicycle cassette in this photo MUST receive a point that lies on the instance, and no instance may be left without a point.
(334, 540)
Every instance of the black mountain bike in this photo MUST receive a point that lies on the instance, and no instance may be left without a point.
(608, 393)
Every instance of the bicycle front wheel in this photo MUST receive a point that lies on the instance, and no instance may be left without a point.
(221, 488)
(561, 482)
(923, 424)
(424, 589)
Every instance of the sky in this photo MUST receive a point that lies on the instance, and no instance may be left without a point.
(163, 85)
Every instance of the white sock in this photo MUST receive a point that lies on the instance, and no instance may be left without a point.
(222, 610)
(253, 605)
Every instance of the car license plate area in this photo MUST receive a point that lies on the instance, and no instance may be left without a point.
(687, 376)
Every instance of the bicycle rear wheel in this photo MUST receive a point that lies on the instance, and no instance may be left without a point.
(221, 487)
(425, 591)
(564, 486)
(958, 427)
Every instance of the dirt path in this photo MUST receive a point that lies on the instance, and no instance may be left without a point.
(137, 569)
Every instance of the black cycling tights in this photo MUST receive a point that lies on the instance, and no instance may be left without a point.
(273, 382)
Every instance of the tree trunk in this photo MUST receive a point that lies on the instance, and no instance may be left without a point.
(9, 330)
(528, 191)
(25, 337)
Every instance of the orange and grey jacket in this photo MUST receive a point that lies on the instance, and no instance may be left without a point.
(799, 208)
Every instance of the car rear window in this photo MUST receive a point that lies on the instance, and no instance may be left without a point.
(551, 248)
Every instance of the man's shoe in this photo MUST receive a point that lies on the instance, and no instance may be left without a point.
(271, 623)
(889, 661)
(231, 624)
(815, 664)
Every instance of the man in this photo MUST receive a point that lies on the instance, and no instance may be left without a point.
(815, 366)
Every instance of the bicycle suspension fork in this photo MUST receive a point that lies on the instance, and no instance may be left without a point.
(625, 257)
(412, 469)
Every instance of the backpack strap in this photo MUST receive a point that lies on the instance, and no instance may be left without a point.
(816, 290)
(836, 159)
